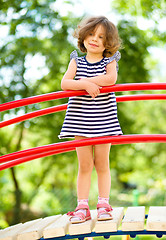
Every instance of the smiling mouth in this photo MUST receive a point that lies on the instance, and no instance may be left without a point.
(93, 45)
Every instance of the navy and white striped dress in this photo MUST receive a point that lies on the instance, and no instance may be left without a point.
(90, 117)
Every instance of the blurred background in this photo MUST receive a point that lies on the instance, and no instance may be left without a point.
(35, 45)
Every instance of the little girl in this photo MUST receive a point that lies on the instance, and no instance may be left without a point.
(94, 114)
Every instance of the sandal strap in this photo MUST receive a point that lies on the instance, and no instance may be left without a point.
(107, 207)
(100, 212)
(79, 215)
(104, 208)
(70, 213)
(81, 206)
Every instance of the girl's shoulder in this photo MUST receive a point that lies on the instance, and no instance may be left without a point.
(116, 57)
(74, 55)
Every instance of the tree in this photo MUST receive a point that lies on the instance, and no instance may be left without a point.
(140, 117)
(37, 35)
(34, 55)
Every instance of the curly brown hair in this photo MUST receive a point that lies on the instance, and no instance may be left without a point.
(112, 41)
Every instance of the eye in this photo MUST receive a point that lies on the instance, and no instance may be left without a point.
(101, 36)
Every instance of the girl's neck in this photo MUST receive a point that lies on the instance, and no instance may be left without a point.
(92, 58)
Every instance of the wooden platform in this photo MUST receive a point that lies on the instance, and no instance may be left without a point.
(132, 222)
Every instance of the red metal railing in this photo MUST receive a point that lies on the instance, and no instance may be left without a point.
(65, 94)
(16, 158)
(63, 107)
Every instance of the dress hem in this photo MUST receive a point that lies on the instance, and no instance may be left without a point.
(83, 135)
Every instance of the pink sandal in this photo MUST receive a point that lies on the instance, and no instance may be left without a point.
(107, 210)
(82, 217)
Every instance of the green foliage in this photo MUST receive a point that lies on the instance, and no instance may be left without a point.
(36, 33)
(146, 8)
(38, 36)
(136, 160)
(135, 50)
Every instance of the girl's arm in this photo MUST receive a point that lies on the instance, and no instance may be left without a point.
(68, 82)
(106, 79)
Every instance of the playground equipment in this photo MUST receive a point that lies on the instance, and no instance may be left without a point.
(59, 227)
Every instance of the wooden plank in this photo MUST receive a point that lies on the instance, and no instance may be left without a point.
(58, 228)
(134, 219)
(83, 228)
(11, 232)
(110, 225)
(156, 220)
(35, 231)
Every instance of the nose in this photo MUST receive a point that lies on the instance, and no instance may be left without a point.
(94, 37)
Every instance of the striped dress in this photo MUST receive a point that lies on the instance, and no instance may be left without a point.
(90, 117)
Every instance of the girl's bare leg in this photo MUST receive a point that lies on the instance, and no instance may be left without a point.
(101, 162)
(86, 164)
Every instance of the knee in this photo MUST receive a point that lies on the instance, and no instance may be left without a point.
(101, 166)
(85, 167)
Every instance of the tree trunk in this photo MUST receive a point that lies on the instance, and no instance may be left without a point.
(17, 193)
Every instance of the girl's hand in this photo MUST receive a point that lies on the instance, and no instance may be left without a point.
(93, 89)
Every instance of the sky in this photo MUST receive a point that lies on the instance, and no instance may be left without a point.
(89, 7)
(101, 7)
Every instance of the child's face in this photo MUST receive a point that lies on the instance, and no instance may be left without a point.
(94, 42)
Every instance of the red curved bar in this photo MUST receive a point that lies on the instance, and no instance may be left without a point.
(139, 97)
(65, 146)
(65, 94)
(64, 107)
(16, 158)
(31, 157)
(48, 150)
(34, 114)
